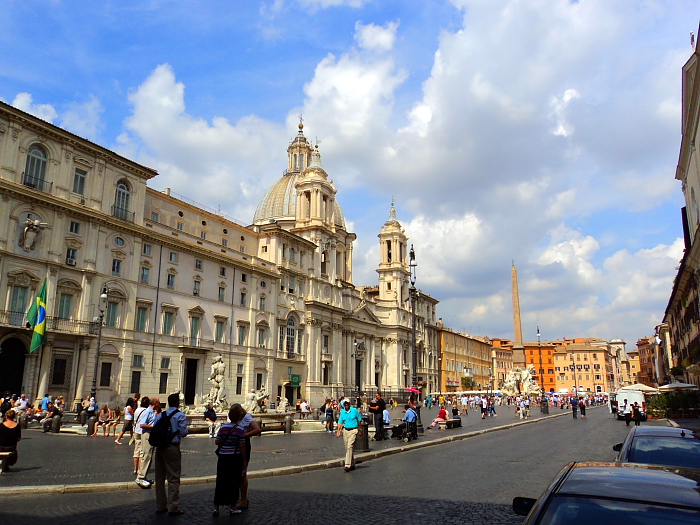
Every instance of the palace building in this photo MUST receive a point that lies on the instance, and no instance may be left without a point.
(178, 284)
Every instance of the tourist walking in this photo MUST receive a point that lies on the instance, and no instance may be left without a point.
(636, 414)
(232, 461)
(574, 406)
(376, 407)
(484, 405)
(149, 418)
(328, 412)
(349, 422)
(582, 408)
(169, 460)
(627, 412)
(128, 421)
(138, 433)
(10, 434)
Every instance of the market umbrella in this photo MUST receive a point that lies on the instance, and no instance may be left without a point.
(412, 390)
(677, 386)
(640, 387)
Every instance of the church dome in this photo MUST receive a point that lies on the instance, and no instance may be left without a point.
(280, 202)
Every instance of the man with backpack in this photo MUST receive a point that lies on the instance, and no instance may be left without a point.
(148, 420)
(166, 434)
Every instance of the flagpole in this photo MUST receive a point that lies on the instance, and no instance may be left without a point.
(38, 377)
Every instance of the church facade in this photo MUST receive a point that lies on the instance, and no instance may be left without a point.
(177, 284)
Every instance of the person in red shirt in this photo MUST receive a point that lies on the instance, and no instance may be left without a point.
(441, 418)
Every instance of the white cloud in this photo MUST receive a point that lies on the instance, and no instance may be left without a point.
(374, 37)
(559, 105)
(84, 119)
(24, 102)
(245, 157)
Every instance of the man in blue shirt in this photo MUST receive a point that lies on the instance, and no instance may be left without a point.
(410, 417)
(350, 420)
(169, 460)
(45, 403)
(148, 420)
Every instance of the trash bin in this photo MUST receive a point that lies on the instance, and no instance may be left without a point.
(362, 442)
(91, 425)
(56, 424)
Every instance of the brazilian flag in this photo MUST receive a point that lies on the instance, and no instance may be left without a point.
(36, 318)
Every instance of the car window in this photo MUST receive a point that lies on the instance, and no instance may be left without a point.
(678, 452)
(576, 510)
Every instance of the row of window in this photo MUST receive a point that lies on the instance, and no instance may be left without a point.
(564, 377)
(579, 367)
(155, 217)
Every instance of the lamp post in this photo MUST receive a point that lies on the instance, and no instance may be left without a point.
(413, 294)
(544, 404)
(101, 307)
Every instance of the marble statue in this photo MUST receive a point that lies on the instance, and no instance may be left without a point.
(283, 406)
(520, 381)
(182, 406)
(218, 369)
(30, 234)
(249, 404)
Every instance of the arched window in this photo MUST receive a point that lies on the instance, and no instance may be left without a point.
(291, 335)
(35, 170)
(121, 200)
(295, 162)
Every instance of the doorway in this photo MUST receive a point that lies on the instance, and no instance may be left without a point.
(190, 380)
(289, 394)
(12, 366)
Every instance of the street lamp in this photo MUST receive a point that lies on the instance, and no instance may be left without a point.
(544, 405)
(101, 305)
(413, 294)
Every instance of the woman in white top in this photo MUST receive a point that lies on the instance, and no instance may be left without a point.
(128, 421)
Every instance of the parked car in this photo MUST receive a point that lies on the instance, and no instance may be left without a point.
(616, 494)
(677, 447)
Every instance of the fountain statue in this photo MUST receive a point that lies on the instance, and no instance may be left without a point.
(520, 381)
(216, 397)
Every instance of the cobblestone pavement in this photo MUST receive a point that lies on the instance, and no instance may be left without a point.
(471, 482)
(61, 459)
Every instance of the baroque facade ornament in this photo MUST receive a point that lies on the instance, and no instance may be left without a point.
(30, 234)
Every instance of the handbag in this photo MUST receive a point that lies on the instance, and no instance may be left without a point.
(218, 449)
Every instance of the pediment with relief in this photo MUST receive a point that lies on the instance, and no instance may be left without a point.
(73, 242)
(118, 254)
(364, 313)
(22, 278)
(79, 159)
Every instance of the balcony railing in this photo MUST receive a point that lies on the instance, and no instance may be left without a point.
(54, 324)
(291, 356)
(123, 214)
(36, 183)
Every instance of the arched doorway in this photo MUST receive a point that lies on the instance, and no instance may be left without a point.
(12, 353)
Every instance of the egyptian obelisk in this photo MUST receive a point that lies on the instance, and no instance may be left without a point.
(518, 348)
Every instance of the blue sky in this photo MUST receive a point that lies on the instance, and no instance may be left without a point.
(544, 131)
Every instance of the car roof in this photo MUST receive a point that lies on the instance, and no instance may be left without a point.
(649, 483)
(666, 432)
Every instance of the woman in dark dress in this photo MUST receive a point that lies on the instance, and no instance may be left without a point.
(232, 461)
(10, 434)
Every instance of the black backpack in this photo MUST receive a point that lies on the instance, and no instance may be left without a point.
(162, 435)
(6, 405)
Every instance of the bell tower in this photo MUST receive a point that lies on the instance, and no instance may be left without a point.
(393, 268)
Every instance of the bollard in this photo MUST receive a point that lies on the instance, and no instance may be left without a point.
(91, 425)
(316, 413)
(56, 425)
(23, 420)
(288, 424)
(83, 417)
(362, 442)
